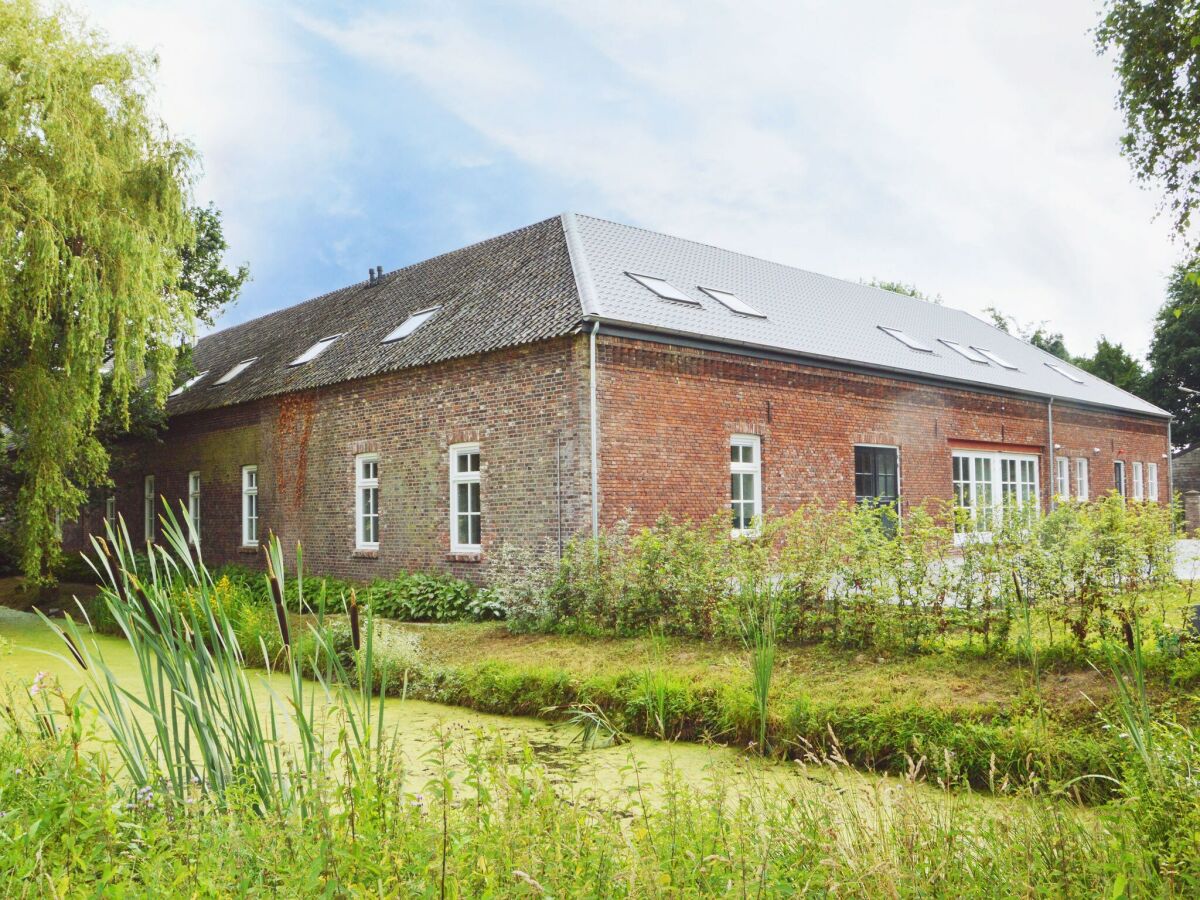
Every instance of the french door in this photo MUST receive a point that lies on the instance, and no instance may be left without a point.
(988, 485)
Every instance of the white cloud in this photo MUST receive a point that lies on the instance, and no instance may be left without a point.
(236, 79)
(968, 148)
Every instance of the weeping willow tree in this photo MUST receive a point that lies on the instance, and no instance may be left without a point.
(94, 198)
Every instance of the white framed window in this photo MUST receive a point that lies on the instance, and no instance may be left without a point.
(366, 501)
(411, 324)
(906, 339)
(1152, 482)
(189, 383)
(995, 357)
(110, 510)
(315, 350)
(1139, 483)
(1119, 477)
(236, 371)
(1062, 477)
(745, 482)
(988, 485)
(194, 505)
(662, 288)
(733, 303)
(148, 507)
(1081, 479)
(250, 506)
(466, 521)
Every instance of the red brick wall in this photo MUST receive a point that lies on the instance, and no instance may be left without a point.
(526, 407)
(667, 414)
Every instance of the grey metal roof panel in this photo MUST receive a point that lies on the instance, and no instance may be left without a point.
(508, 290)
(810, 315)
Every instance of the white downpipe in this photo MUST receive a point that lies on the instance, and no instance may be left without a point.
(594, 429)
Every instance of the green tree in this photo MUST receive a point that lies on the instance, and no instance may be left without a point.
(1038, 334)
(203, 273)
(1175, 355)
(1113, 363)
(1157, 49)
(899, 287)
(93, 206)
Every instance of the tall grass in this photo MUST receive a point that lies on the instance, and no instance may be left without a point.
(757, 623)
(196, 719)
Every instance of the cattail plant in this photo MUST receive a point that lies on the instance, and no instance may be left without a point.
(196, 718)
(757, 625)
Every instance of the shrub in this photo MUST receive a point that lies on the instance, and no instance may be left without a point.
(421, 597)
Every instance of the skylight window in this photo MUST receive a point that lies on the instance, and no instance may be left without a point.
(968, 352)
(187, 384)
(315, 350)
(236, 370)
(733, 303)
(409, 325)
(1065, 373)
(663, 288)
(910, 342)
(995, 357)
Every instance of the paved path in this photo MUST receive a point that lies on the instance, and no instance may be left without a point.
(1187, 559)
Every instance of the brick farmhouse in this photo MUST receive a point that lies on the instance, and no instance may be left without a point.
(575, 373)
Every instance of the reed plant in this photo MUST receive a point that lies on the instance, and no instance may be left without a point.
(196, 719)
(759, 612)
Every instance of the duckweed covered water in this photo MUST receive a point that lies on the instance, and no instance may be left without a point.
(620, 776)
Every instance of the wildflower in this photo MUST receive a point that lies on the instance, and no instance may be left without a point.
(38, 683)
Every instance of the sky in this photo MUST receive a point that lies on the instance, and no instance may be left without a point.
(968, 148)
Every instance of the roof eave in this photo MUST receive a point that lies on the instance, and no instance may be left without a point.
(621, 328)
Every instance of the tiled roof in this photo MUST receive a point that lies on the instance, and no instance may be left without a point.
(501, 292)
(551, 278)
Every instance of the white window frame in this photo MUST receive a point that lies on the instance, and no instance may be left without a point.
(1152, 482)
(1082, 487)
(249, 499)
(754, 468)
(1139, 482)
(1026, 489)
(457, 478)
(148, 495)
(364, 486)
(194, 505)
(110, 510)
(316, 350)
(1120, 485)
(1062, 475)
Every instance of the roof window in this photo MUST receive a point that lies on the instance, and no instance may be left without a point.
(409, 325)
(1065, 373)
(733, 303)
(995, 357)
(910, 342)
(315, 350)
(187, 384)
(236, 371)
(966, 352)
(663, 288)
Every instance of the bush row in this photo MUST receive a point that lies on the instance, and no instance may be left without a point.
(857, 577)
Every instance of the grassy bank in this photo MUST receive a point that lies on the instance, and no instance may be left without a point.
(971, 718)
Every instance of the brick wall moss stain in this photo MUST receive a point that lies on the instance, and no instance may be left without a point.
(666, 415)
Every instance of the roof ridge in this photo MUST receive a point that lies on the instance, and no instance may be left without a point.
(576, 253)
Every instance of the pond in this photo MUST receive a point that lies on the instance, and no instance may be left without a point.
(617, 775)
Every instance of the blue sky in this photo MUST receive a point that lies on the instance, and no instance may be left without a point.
(968, 148)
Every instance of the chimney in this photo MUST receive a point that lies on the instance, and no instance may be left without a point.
(378, 273)
(370, 276)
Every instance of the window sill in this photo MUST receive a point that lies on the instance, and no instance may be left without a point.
(366, 553)
(248, 549)
(472, 556)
